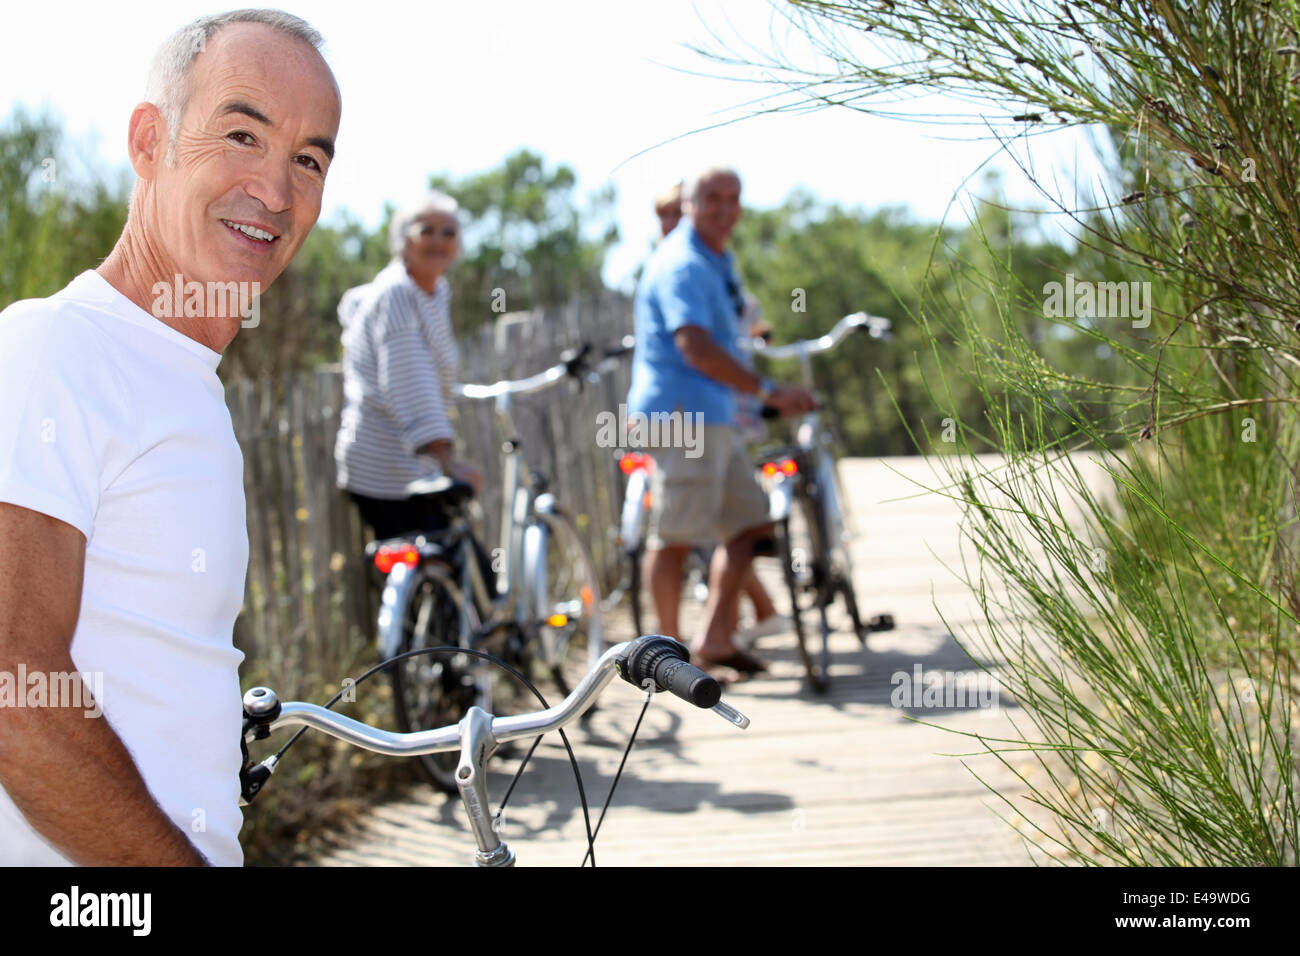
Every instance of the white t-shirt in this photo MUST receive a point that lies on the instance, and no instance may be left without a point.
(116, 424)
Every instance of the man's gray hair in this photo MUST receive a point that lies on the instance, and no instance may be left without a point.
(432, 201)
(691, 188)
(169, 87)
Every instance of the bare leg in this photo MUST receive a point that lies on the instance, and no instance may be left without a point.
(663, 582)
(751, 587)
(757, 594)
(726, 577)
(717, 568)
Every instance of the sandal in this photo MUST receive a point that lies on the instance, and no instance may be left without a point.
(737, 660)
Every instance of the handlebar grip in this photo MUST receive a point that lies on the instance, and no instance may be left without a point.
(664, 662)
(688, 682)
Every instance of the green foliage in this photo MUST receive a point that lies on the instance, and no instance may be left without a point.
(55, 224)
(527, 236)
(809, 263)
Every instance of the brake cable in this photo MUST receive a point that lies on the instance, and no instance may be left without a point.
(619, 773)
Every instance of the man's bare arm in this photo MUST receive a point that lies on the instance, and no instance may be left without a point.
(709, 358)
(69, 774)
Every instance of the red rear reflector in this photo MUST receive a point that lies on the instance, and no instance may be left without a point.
(769, 469)
(635, 461)
(789, 467)
(386, 557)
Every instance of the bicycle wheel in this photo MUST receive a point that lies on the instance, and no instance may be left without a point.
(793, 550)
(838, 527)
(809, 504)
(851, 605)
(566, 601)
(434, 690)
(835, 525)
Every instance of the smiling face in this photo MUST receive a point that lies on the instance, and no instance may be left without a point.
(432, 244)
(235, 196)
(715, 209)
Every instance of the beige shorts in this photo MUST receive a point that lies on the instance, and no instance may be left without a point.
(701, 501)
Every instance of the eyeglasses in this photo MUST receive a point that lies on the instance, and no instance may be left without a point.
(425, 231)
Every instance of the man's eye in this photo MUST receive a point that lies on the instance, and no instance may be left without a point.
(309, 162)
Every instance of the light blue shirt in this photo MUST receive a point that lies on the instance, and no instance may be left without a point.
(685, 283)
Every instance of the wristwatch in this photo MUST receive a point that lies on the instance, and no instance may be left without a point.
(765, 390)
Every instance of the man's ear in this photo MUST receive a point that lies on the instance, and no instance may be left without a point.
(146, 140)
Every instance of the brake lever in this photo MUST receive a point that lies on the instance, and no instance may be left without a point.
(726, 711)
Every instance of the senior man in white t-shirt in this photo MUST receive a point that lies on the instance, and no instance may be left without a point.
(123, 543)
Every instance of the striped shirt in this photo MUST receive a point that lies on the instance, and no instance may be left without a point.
(399, 366)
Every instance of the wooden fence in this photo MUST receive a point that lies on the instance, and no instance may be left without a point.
(310, 602)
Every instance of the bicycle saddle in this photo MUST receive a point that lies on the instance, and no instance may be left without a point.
(444, 489)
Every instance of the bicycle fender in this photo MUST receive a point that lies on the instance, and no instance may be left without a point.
(780, 497)
(534, 548)
(392, 609)
(833, 510)
(632, 525)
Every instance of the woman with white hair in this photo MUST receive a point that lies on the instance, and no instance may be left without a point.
(399, 365)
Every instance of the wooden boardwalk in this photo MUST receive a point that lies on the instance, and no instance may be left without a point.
(843, 779)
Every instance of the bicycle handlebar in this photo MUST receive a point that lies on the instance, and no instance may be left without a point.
(646, 659)
(534, 383)
(626, 344)
(573, 363)
(874, 325)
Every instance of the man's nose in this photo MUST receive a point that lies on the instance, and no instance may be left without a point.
(272, 185)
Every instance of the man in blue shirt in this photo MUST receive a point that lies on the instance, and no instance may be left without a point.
(685, 374)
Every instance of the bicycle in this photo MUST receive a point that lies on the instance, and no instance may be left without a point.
(803, 486)
(546, 601)
(652, 662)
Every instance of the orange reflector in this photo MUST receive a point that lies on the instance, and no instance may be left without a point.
(588, 599)
(558, 620)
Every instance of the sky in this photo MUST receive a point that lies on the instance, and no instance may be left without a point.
(610, 88)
